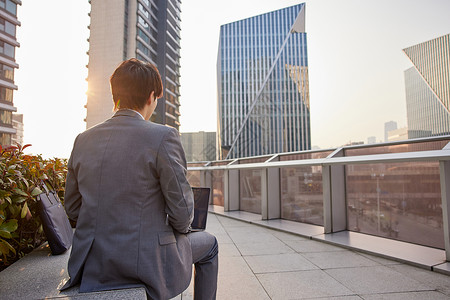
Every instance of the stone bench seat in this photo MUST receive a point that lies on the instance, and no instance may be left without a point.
(39, 275)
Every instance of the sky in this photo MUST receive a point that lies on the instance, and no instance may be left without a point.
(355, 58)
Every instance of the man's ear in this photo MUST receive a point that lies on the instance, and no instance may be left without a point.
(151, 98)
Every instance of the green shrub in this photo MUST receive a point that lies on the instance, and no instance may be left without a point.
(21, 179)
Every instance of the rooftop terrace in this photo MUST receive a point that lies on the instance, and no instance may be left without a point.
(375, 198)
(368, 222)
(255, 262)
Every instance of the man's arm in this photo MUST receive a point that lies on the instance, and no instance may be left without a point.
(171, 164)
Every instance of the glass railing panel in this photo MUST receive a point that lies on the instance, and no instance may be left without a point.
(193, 178)
(253, 160)
(397, 148)
(220, 163)
(302, 194)
(307, 155)
(196, 164)
(400, 201)
(250, 191)
(218, 187)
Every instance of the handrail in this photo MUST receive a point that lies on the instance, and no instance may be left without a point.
(431, 155)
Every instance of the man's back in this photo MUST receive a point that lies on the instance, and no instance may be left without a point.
(130, 174)
(126, 187)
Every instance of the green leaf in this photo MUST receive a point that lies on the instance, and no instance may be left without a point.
(25, 210)
(14, 210)
(5, 234)
(9, 226)
(4, 193)
(36, 192)
(20, 192)
(5, 247)
(19, 199)
(24, 180)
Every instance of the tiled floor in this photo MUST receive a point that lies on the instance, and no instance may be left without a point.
(261, 263)
(257, 262)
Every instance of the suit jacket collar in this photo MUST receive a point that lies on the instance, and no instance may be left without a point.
(128, 113)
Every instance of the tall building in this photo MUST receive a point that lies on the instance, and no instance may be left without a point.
(121, 29)
(371, 140)
(400, 134)
(388, 126)
(427, 87)
(263, 87)
(199, 146)
(8, 44)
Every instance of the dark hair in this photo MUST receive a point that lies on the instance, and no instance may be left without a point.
(132, 83)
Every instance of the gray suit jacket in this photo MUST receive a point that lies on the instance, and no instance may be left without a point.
(127, 189)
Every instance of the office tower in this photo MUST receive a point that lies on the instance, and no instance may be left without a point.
(400, 134)
(388, 126)
(371, 140)
(427, 86)
(146, 29)
(199, 146)
(263, 92)
(8, 44)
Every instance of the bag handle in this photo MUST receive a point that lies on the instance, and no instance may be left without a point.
(46, 190)
(44, 185)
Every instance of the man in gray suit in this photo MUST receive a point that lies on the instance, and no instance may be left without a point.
(127, 191)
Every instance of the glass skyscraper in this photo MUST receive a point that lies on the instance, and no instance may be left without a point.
(146, 29)
(8, 44)
(427, 86)
(263, 90)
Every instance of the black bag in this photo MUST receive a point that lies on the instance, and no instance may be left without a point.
(55, 222)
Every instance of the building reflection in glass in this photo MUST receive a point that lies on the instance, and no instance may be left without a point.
(218, 183)
(399, 200)
(301, 190)
(250, 187)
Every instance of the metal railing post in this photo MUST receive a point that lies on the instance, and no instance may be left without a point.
(326, 190)
(264, 195)
(444, 168)
(232, 188)
(273, 191)
(334, 198)
(226, 191)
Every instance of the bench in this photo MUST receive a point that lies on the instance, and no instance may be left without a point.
(39, 275)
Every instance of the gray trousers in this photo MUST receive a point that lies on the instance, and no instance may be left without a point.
(206, 261)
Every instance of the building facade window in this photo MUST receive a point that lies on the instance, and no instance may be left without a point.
(143, 22)
(147, 27)
(6, 94)
(10, 6)
(5, 117)
(146, 51)
(6, 72)
(144, 11)
(146, 38)
(7, 49)
(7, 27)
(5, 139)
